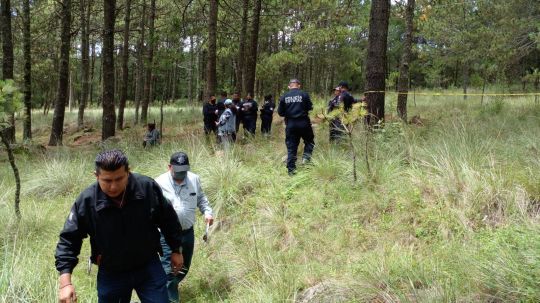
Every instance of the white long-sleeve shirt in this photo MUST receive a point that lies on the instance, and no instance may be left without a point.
(185, 197)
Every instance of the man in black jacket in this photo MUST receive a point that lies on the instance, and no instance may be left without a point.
(249, 109)
(295, 106)
(346, 98)
(210, 116)
(267, 112)
(121, 213)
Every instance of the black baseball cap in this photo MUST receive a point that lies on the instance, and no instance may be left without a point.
(179, 162)
(344, 84)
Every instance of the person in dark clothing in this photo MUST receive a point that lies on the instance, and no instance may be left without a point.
(267, 112)
(336, 127)
(123, 214)
(152, 136)
(237, 102)
(346, 98)
(249, 110)
(210, 116)
(294, 106)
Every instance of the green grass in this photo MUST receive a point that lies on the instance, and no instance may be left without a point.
(450, 212)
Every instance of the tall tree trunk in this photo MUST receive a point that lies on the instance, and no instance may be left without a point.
(211, 80)
(174, 81)
(27, 44)
(63, 75)
(92, 73)
(465, 79)
(242, 50)
(140, 63)
(149, 64)
(7, 51)
(191, 69)
(85, 6)
(376, 59)
(254, 44)
(125, 71)
(109, 116)
(403, 84)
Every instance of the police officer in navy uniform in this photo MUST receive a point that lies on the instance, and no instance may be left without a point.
(294, 106)
(249, 109)
(346, 98)
(267, 112)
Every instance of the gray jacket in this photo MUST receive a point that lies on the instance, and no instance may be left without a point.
(227, 123)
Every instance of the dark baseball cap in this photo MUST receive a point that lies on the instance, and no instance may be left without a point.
(344, 84)
(179, 162)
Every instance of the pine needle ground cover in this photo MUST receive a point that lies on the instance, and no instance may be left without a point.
(449, 211)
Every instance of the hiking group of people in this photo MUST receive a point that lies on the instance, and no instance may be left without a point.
(141, 229)
(223, 117)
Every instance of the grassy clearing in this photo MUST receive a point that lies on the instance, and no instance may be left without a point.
(450, 212)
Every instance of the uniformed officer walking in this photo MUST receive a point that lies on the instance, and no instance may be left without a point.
(295, 106)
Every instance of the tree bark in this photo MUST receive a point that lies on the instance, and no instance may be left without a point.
(191, 69)
(240, 88)
(109, 116)
(376, 59)
(27, 45)
(465, 79)
(403, 82)
(140, 63)
(92, 73)
(4, 134)
(125, 71)
(85, 6)
(63, 75)
(254, 44)
(7, 54)
(211, 80)
(149, 64)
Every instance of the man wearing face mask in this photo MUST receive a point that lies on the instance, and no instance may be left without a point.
(183, 189)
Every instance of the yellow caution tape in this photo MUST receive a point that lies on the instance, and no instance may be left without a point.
(454, 94)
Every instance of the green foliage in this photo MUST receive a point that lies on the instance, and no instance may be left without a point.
(10, 99)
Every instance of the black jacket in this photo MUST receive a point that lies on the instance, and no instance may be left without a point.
(267, 110)
(295, 104)
(348, 100)
(121, 239)
(209, 113)
(249, 109)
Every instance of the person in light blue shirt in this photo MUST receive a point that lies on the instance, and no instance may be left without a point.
(184, 191)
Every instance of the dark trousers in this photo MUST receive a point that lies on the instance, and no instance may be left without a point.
(188, 243)
(293, 133)
(148, 281)
(250, 125)
(266, 124)
(336, 130)
(210, 127)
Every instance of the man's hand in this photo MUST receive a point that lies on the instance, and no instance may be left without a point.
(66, 293)
(177, 261)
(209, 219)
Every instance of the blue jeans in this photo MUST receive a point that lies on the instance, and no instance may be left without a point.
(188, 243)
(148, 281)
